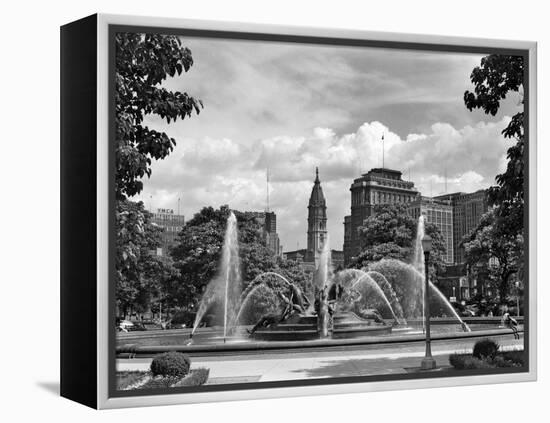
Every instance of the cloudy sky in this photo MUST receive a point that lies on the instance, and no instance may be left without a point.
(292, 107)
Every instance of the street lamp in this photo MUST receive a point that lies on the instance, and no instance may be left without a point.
(517, 297)
(428, 361)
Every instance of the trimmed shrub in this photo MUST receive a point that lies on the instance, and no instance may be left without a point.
(197, 377)
(501, 360)
(467, 362)
(172, 364)
(485, 349)
(517, 357)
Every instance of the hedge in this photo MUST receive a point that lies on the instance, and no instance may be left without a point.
(170, 364)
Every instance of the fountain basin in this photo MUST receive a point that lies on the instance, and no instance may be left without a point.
(349, 325)
(304, 327)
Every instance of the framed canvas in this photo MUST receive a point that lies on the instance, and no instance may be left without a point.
(254, 211)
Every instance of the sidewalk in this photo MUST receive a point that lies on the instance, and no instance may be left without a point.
(306, 365)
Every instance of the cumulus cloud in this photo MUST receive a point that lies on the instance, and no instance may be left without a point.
(292, 107)
(224, 171)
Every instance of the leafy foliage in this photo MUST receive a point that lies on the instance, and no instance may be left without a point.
(467, 362)
(494, 79)
(492, 240)
(140, 274)
(499, 360)
(485, 349)
(143, 62)
(390, 232)
(500, 233)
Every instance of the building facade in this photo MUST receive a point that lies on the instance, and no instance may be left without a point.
(317, 233)
(378, 186)
(268, 220)
(316, 221)
(439, 213)
(467, 211)
(171, 223)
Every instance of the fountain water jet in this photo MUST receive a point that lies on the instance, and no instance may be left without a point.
(248, 296)
(389, 292)
(226, 287)
(254, 286)
(323, 272)
(366, 278)
(418, 263)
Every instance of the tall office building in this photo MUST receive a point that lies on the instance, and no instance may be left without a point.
(171, 223)
(378, 186)
(467, 211)
(268, 220)
(440, 213)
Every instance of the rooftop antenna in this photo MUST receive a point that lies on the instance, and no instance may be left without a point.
(179, 206)
(267, 189)
(446, 181)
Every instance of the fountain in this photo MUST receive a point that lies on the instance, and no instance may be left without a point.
(347, 304)
(330, 315)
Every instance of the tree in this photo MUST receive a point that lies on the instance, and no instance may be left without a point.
(494, 79)
(439, 250)
(390, 233)
(499, 235)
(140, 274)
(387, 233)
(497, 250)
(143, 62)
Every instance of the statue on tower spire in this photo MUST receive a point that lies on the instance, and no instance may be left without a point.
(317, 174)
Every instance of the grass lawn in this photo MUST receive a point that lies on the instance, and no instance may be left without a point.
(125, 379)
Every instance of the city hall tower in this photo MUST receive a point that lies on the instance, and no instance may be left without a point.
(316, 221)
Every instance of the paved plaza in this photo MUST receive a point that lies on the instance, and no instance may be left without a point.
(300, 364)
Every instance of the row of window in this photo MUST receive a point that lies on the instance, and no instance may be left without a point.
(172, 228)
(379, 197)
(168, 218)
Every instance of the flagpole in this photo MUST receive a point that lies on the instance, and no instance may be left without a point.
(383, 151)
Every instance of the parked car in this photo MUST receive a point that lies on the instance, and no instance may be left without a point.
(468, 312)
(137, 327)
(124, 326)
(464, 310)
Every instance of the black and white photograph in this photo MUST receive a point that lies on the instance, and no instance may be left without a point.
(292, 211)
(260, 211)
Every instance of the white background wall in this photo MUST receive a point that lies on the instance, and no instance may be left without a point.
(29, 177)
